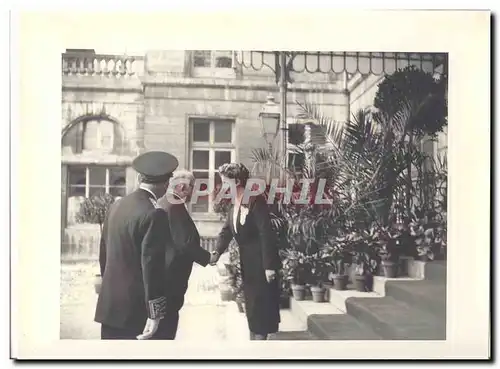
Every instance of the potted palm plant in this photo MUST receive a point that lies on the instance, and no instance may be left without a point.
(359, 259)
(365, 257)
(295, 271)
(340, 278)
(429, 236)
(320, 267)
(340, 256)
(390, 243)
(429, 244)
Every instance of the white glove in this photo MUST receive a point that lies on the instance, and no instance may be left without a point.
(149, 329)
(270, 275)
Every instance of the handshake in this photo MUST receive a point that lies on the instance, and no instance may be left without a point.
(214, 257)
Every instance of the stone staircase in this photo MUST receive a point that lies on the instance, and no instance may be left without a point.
(411, 307)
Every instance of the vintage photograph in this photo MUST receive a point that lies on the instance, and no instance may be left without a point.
(222, 195)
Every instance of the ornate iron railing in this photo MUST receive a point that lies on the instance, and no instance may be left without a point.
(365, 63)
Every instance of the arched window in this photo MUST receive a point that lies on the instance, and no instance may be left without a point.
(100, 137)
(94, 134)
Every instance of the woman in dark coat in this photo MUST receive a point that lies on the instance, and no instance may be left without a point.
(250, 225)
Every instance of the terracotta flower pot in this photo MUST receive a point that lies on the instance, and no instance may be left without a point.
(299, 292)
(318, 294)
(390, 268)
(97, 283)
(328, 286)
(308, 293)
(340, 282)
(360, 283)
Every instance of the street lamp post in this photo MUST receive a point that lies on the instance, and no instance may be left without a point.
(283, 102)
(269, 117)
(272, 116)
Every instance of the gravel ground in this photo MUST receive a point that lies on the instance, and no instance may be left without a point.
(204, 316)
(78, 301)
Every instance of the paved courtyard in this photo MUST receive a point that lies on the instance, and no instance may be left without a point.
(203, 317)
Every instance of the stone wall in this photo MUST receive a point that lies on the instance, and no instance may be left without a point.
(168, 109)
(362, 92)
(154, 100)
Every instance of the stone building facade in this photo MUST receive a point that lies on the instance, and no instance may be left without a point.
(198, 105)
(201, 106)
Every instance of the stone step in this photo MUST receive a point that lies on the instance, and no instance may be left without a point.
(338, 298)
(433, 270)
(436, 271)
(379, 283)
(340, 327)
(326, 322)
(392, 319)
(428, 295)
(301, 310)
(293, 336)
(425, 295)
(409, 307)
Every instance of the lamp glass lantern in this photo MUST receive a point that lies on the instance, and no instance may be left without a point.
(270, 119)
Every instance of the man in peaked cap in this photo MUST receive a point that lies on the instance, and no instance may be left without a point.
(132, 302)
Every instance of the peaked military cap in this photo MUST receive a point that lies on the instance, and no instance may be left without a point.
(155, 166)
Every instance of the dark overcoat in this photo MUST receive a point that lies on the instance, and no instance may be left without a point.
(258, 252)
(134, 242)
(187, 251)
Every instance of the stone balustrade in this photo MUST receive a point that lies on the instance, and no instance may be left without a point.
(88, 64)
(209, 243)
(82, 242)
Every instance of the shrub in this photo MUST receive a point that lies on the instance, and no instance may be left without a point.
(94, 209)
(422, 90)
